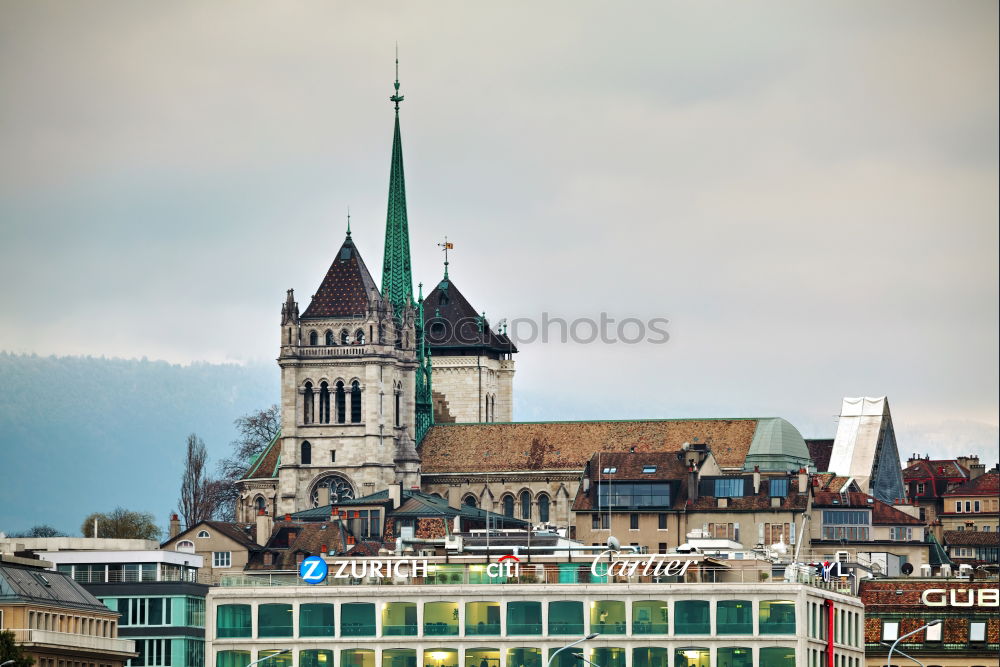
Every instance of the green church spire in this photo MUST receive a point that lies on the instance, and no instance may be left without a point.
(397, 279)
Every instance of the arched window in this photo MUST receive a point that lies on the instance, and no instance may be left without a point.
(203, 534)
(359, 337)
(340, 400)
(260, 505)
(306, 453)
(329, 338)
(313, 338)
(324, 403)
(307, 404)
(470, 501)
(508, 505)
(340, 489)
(493, 408)
(543, 508)
(526, 504)
(398, 397)
(355, 402)
(486, 407)
(343, 337)
(187, 546)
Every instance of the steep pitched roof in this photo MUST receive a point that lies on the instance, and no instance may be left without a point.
(347, 289)
(265, 466)
(455, 448)
(451, 322)
(935, 469)
(987, 484)
(819, 451)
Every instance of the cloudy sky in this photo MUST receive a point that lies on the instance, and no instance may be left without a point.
(806, 191)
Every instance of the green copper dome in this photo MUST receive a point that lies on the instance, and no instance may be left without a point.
(777, 445)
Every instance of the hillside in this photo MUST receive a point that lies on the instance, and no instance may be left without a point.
(83, 434)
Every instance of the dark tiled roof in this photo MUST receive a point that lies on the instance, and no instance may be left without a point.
(265, 466)
(819, 452)
(885, 514)
(347, 288)
(569, 445)
(451, 322)
(796, 502)
(629, 467)
(244, 533)
(414, 504)
(882, 513)
(987, 484)
(833, 482)
(971, 538)
(289, 539)
(19, 583)
(935, 469)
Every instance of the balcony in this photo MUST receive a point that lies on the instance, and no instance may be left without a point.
(30, 638)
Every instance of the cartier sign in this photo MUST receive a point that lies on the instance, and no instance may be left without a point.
(961, 597)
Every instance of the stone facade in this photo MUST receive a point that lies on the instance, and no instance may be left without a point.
(473, 388)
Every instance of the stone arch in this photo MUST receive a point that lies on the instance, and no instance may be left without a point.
(341, 488)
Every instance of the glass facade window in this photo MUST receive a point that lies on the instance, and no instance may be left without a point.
(846, 524)
(440, 657)
(274, 620)
(565, 617)
(482, 657)
(398, 657)
(524, 618)
(316, 620)
(194, 612)
(358, 657)
(777, 617)
(482, 618)
(276, 658)
(607, 617)
(692, 657)
(777, 656)
(440, 618)
(728, 487)
(778, 488)
(734, 657)
(734, 617)
(691, 617)
(399, 618)
(650, 657)
(232, 658)
(524, 657)
(233, 620)
(634, 494)
(650, 617)
(607, 656)
(357, 619)
(315, 658)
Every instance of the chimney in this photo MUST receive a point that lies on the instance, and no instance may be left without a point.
(803, 480)
(396, 494)
(322, 549)
(913, 459)
(175, 525)
(756, 480)
(692, 483)
(264, 526)
(453, 499)
(324, 495)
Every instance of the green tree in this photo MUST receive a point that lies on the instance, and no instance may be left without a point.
(121, 523)
(254, 430)
(11, 651)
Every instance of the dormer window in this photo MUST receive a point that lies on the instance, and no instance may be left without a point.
(648, 469)
(203, 534)
(609, 470)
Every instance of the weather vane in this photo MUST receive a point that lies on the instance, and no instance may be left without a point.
(446, 246)
(397, 98)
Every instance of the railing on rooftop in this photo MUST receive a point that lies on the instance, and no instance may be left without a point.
(32, 636)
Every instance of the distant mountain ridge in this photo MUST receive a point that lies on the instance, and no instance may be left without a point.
(83, 434)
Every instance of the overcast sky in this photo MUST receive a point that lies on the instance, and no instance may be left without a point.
(806, 191)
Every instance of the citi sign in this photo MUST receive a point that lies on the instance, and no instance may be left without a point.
(961, 597)
(506, 566)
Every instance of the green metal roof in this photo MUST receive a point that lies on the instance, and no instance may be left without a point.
(777, 445)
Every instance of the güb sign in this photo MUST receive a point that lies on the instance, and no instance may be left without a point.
(961, 597)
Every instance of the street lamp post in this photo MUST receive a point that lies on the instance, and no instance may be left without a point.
(266, 657)
(7, 662)
(578, 641)
(922, 627)
(905, 655)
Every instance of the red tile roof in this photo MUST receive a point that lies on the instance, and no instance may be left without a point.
(882, 513)
(935, 469)
(569, 445)
(987, 484)
(971, 538)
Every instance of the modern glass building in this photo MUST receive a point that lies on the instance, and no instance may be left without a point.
(161, 605)
(523, 621)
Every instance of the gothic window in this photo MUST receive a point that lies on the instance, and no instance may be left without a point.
(306, 454)
(341, 403)
(340, 489)
(359, 337)
(329, 338)
(487, 407)
(543, 508)
(313, 338)
(526, 504)
(324, 403)
(493, 407)
(355, 402)
(470, 501)
(260, 505)
(508, 505)
(398, 394)
(343, 337)
(307, 404)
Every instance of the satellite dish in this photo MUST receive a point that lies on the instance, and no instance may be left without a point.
(907, 569)
(614, 544)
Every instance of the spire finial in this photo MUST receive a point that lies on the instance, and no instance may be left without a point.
(348, 222)
(446, 246)
(397, 98)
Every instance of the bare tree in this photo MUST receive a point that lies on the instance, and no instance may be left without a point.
(198, 492)
(255, 430)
